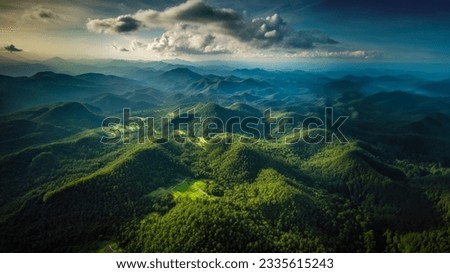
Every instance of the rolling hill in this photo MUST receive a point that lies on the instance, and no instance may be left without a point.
(63, 190)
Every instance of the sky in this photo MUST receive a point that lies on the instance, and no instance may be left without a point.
(201, 30)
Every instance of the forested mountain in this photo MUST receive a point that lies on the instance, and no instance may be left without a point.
(62, 190)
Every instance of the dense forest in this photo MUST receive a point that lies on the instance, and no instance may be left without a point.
(385, 190)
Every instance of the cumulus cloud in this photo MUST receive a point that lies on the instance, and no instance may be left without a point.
(182, 39)
(262, 32)
(12, 48)
(187, 39)
(195, 27)
(40, 13)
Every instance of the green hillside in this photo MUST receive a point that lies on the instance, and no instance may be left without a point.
(63, 190)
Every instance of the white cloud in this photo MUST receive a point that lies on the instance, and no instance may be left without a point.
(182, 39)
(187, 39)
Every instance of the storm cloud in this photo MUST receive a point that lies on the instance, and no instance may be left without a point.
(192, 11)
(121, 24)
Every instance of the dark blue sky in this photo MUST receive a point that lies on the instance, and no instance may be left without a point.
(398, 29)
(392, 7)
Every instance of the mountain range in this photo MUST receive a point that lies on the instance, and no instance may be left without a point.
(62, 190)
